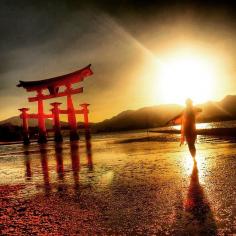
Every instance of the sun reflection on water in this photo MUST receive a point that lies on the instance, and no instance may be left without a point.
(203, 125)
(106, 178)
(198, 126)
(188, 163)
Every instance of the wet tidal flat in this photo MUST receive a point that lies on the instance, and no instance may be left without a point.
(119, 184)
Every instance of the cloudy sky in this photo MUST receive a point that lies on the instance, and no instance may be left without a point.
(127, 42)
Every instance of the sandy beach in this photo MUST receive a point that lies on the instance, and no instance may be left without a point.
(119, 184)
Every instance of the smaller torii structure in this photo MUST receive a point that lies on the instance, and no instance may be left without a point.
(53, 86)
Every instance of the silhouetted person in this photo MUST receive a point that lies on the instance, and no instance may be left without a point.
(187, 119)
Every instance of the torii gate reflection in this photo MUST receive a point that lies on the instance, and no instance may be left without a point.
(53, 85)
(60, 170)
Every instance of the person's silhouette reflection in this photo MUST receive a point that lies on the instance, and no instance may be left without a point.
(44, 164)
(200, 220)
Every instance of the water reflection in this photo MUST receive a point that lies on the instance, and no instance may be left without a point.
(89, 153)
(60, 167)
(188, 165)
(199, 216)
(75, 162)
(57, 159)
(44, 165)
(198, 126)
(28, 171)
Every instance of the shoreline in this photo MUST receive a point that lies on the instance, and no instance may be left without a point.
(210, 132)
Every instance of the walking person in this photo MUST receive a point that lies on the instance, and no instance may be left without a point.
(187, 119)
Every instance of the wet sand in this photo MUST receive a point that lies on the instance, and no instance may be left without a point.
(119, 185)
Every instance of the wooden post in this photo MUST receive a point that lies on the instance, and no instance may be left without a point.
(86, 120)
(24, 117)
(56, 121)
(41, 119)
(71, 115)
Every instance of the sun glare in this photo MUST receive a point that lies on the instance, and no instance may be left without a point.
(185, 76)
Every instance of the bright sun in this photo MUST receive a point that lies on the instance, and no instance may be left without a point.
(185, 76)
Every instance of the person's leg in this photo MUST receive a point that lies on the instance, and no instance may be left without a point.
(191, 145)
(192, 149)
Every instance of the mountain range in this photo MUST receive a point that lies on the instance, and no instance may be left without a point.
(156, 116)
(150, 117)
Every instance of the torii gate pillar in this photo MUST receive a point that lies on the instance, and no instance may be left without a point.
(86, 120)
(71, 115)
(24, 117)
(41, 119)
(56, 121)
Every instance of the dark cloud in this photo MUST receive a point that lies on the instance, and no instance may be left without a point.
(26, 23)
(41, 39)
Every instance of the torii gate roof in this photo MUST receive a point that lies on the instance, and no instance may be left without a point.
(70, 78)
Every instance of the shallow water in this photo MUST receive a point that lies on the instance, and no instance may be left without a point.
(207, 125)
(125, 183)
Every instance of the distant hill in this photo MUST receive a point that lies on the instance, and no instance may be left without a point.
(155, 116)
(219, 111)
(150, 117)
(147, 117)
(16, 121)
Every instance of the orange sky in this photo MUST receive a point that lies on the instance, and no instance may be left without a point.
(128, 53)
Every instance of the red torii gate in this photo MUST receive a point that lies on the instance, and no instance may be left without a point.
(53, 85)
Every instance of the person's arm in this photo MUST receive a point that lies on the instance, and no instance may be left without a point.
(175, 120)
